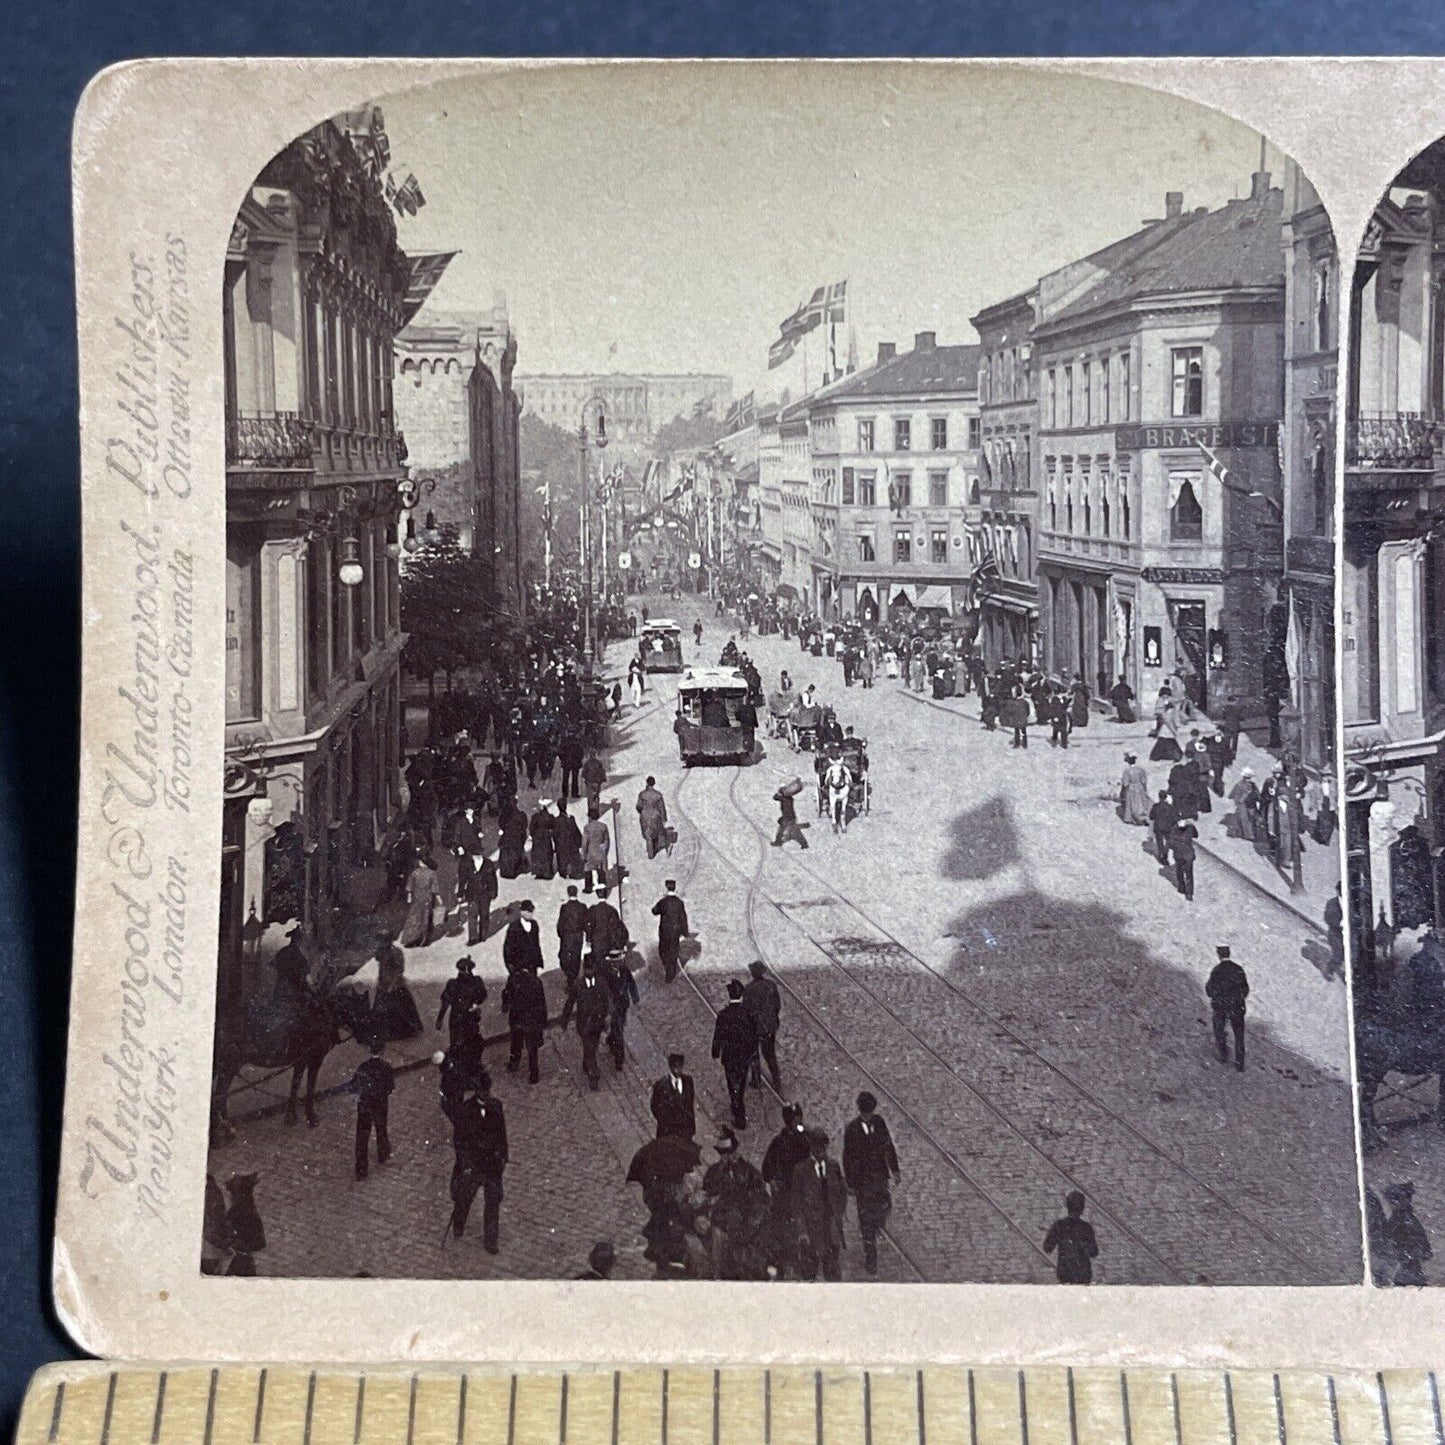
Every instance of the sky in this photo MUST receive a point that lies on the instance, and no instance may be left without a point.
(650, 218)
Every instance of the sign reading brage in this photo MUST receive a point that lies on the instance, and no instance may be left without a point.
(1173, 435)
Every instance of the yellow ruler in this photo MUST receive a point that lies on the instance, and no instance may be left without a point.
(95, 1404)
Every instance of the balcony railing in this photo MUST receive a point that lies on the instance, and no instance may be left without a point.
(1391, 441)
(270, 439)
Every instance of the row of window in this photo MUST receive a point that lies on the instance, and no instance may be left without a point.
(903, 433)
(903, 547)
(1008, 545)
(1004, 376)
(860, 489)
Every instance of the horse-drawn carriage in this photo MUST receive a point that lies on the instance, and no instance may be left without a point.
(853, 754)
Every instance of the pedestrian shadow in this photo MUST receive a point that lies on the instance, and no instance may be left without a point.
(1083, 1024)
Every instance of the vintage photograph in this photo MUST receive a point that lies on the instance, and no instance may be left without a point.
(1393, 702)
(780, 691)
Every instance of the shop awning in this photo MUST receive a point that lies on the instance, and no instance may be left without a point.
(932, 596)
(786, 589)
(1011, 604)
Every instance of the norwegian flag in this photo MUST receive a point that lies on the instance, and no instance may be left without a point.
(1217, 467)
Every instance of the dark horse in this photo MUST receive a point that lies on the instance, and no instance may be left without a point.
(296, 1031)
(1409, 1040)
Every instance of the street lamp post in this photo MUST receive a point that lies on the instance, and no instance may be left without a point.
(599, 439)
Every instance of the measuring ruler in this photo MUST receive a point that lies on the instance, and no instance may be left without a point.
(94, 1404)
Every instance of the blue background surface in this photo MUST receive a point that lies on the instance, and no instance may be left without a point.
(49, 52)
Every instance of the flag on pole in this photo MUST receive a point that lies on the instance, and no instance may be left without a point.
(827, 303)
(1216, 467)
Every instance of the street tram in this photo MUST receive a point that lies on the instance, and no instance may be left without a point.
(707, 725)
(660, 646)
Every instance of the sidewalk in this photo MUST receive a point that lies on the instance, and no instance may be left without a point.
(1320, 866)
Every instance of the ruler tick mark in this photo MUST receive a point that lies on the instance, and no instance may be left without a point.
(462, 1407)
(561, 1415)
(160, 1408)
(1024, 1411)
(1384, 1408)
(1435, 1407)
(260, 1408)
(1334, 1408)
(56, 1410)
(1124, 1402)
(867, 1408)
(1279, 1412)
(211, 1406)
(1073, 1408)
(1174, 1404)
(109, 1409)
(360, 1406)
(767, 1407)
(310, 1406)
(664, 1407)
(922, 1418)
(616, 1402)
(716, 1407)
(512, 1413)
(411, 1413)
(1229, 1408)
(972, 1412)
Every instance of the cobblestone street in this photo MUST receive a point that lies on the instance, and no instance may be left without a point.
(989, 950)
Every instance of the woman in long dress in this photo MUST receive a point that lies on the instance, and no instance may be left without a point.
(512, 851)
(543, 856)
(421, 896)
(1134, 792)
(1245, 797)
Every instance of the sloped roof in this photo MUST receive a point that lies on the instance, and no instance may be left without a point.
(1236, 247)
(934, 371)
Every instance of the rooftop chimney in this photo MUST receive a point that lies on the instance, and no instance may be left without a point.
(925, 340)
(1173, 204)
(886, 351)
(1258, 185)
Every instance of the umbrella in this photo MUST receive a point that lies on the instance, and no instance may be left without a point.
(667, 1160)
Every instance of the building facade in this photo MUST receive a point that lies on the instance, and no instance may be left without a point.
(1008, 501)
(893, 475)
(1307, 467)
(458, 411)
(1393, 581)
(1160, 397)
(636, 405)
(316, 288)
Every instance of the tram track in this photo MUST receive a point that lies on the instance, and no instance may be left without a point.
(697, 852)
(1105, 1200)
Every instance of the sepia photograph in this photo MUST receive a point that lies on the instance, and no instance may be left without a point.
(780, 696)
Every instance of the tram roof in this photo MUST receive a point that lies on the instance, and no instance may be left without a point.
(713, 679)
(660, 624)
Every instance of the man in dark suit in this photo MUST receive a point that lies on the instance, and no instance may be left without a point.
(734, 1043)
(571, 935)
(525, 1004)
(594, 1010)
(870, 1165)
(522, 947)
(1163, 815)
(819, 1200)
(671, 915)
(765, 1003)
(1227, 990)
(569, 754)
(479, 1139)
(674, 1102)
(606, 931)
(477, 885)
(1182, 847)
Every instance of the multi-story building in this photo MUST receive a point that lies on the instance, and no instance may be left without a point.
(770, 497)
(316, 288)
(1008, 500)
(636, 405)
(1392, 586)
(895, 460)
(737, 453)
(1160, 397)
(797, 578)
(1307, 468)
(459, 414)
